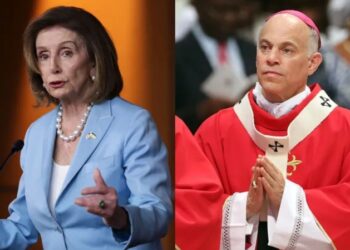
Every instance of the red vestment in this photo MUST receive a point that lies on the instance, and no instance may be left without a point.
(199, 196)
(321, 163)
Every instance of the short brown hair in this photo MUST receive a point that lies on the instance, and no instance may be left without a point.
(108, 82)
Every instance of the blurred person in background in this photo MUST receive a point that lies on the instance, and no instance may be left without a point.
(214, 66)
(337, 57)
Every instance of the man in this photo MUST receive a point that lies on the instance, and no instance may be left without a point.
(283, 152)
(210, 59)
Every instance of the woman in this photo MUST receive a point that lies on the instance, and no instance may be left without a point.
(94, 169)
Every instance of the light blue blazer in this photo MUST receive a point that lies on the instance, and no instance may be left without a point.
(132, 159)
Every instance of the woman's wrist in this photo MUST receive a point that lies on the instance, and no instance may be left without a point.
(119, 220)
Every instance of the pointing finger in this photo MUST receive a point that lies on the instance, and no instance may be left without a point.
(99, 179)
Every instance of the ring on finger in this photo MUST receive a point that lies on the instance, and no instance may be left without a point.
(102, 204)
(254, 185)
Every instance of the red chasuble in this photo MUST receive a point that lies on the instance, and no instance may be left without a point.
(199, 196)
(320, 163)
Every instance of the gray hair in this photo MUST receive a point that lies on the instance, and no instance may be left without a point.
(313, 41)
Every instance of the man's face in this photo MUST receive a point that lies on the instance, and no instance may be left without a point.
(221, 18)
(283, 63)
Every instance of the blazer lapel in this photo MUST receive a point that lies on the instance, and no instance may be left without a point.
(47, 151)
(97, 124)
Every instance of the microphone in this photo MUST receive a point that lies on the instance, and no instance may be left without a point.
(17, 146)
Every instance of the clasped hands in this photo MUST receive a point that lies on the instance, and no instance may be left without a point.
(267, 181)
(102, 200)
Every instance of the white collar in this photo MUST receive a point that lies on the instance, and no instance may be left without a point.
(278, 109)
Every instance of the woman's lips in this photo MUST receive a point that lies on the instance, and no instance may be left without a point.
(56, 84)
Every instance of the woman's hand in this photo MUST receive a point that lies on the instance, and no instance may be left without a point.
(103, 201)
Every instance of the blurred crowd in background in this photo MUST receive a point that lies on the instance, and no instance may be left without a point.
(216, 48)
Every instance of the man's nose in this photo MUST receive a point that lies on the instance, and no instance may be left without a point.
(273, 56)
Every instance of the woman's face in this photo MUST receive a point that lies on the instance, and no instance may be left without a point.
(64, 64)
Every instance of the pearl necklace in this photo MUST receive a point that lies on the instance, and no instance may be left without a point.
(77, 132)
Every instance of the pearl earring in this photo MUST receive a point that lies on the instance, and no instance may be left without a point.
(93, 78)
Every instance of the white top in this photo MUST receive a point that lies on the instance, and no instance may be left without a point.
(59, 173)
